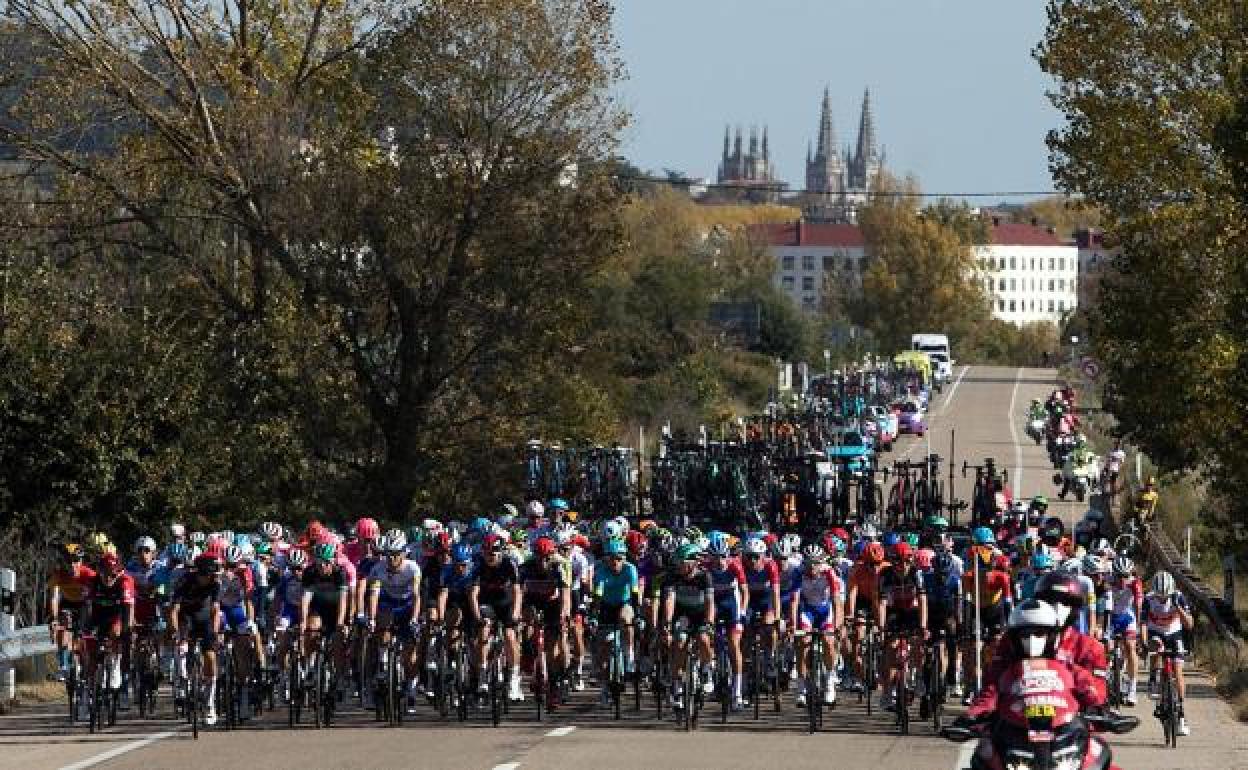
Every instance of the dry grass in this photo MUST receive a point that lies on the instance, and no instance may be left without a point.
(1227, 664)
(41, 692)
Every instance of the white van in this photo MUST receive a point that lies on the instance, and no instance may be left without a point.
(936, 346)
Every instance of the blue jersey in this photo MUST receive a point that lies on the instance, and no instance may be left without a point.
(457, 585)
(615, 590)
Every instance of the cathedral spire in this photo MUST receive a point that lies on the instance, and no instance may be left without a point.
(867, 148)
(766, 146)
(827, 134)
(727, 142)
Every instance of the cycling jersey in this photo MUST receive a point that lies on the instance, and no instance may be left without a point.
(866, 578)
(108, 602)
(614, 589)
(542, 585)
(290, 598)
(236, 586)
(325, 589)
(1161, 613)
(690, 591)
(395, 585)
(496, 582)
(901, 588)
(762, 583)
(194, 598)
(456, 584)
(73, 583)
(1125, 595)
(944, 592)
(816, 594)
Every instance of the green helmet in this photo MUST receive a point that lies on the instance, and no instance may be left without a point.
(913, 540)
(687, 552)
(519, 536)
(936, 521)
(324, 552)
(1040, 501)
(264, 549)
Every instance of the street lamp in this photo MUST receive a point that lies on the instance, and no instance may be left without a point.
(827, 362)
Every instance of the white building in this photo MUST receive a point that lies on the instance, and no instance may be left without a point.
(806, 252)
(1030, 274)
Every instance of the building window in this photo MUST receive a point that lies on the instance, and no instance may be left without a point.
(1050, 306)
(1033, 263)
(1011, 284)
(1061, 284)
(829, 264)
(1061, 263)
(1012, 263)
(1001, 263)
(1050, 284)
(808, 283)
(788, 283)
(1011, 306)
(1001, 305)
(808, 262)
(1001, 285)
(1061, 305)
(1052, 262)
(989, 284)
(1033, 305)
(808, 303)
(788, 263)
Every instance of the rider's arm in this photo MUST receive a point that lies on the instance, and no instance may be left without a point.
(709, 604)
(342, 605)
(374, 594)
(215, 615)
(474, 601)
(416, 594)
(517, 600)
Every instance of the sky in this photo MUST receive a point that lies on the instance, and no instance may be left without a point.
(958, 100)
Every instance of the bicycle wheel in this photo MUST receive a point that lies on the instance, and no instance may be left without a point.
(690, 683)
(936, 691)
(756, 676)
(227, 686)
(194, 693)
(497, 685)
(1172, 712)
(294, 682)
(1167, 706)
(318, 690)
(94, 702)
(868, 671)
(723, 681)
(814, 698)
(329, 695)
(71, 686)
(616, 675)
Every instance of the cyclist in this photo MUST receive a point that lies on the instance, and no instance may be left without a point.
(1166, 616)
(393, 605)
(819, 609)
(67, 592)
(326, 596)
(238, 615)
(993, 596)
(289, 601)
(495, 597)
(1126, 599)
(578, 573)
(688, 613)
(731, 604)
(863, 601)
(616, 589)
(1041, 564)
(942, 582)
(545, 589)
(146, 575)
(110, 612)
(902, 612)
(762, 578)
(195, 614)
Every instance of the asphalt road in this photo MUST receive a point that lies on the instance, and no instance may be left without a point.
(985, 406)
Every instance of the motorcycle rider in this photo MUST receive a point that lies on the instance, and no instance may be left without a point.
(1080, 456)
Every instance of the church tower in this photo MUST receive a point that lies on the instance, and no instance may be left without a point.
(825, 173)
(865, 166)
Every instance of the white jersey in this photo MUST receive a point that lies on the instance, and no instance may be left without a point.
(396, 585)
(1161, 613)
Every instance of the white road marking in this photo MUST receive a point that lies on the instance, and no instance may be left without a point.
(559, 732)
(1018, 445)
(123, 749)
(964, 755)
(949, 398)
(507, 766)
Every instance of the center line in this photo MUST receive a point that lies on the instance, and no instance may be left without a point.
(1018, 446)
(507, 766)
(559, 732)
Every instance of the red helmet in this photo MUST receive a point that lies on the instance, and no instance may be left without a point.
(903, 552)
(215, 548)
(367, 529)
(873, 553)
(544, 547)
(439, 542)
(110, 564)
(580, 541)
(923, 558)
(1001, 561)
(636, 541)
(840, 534)
(493, 543)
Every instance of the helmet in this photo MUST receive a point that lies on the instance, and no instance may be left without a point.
(207, 564)
(923, 558)
(1065, 592)
(645, 525)
(493, 543)
(110, 564)
(233, 554)
(544, 547)
(297, 558)
(756, 546)
(1101, 546)
(461, 554)
(912, 538)
(566, 533)
(1033, 627)
(783, 548)
(813, 554)
(903, 552)
(1053, 527)
(615, 548)
(198, 539)
(611, 530)
(559, 504)
(1163, 583)
(227, 535)
(1040, 502)
(324, 552)
(869, 531)
(1123, 566)
(367, 529)
(719, 547)
(1018, 506)
(145, 543)
(179, 553)
(635, 541)
(393, 543)
(271, 529)
(1072, 566)
(890, 539)
(873, 553)
(1093, 564)
(264, 549)
(480, 525)
(1000, 561)
(687, 552)
(1041, 560)
(936, 522)
(534, 509)
(177, 530)
(982, 536)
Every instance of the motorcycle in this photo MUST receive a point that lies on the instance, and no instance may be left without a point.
(1080, 478)
(1045, 743)
(1035, 429)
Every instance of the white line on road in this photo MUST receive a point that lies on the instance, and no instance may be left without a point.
(949, 398)
(123, 749)
(559, 732)
(964, 755)
(1018, 445)
(507, 766)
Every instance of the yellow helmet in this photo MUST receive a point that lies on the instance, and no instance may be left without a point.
(108, 548)
(71, 550)
(571, 516)
(97, 540)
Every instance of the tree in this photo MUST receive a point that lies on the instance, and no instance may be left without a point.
(921, 274)
(404, 176)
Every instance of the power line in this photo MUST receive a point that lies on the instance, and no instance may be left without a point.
(783, 188)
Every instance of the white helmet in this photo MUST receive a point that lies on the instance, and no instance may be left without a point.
(623, 524)
(611, 530)
(756, 546)
(565, 533)
(1034, 625)
(177, 530)
(297, 558)
(145, 542)
(510, 510)
(1074, 566)
(431, 526)
(271, 529)
(249, 552)
(783, 548)
(534, 508)
(1163, 583)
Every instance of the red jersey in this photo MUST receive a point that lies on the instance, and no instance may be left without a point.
(1075, 649)
(105, 597)
(1035, 682)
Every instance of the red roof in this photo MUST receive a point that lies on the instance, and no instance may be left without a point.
(1024, 235)
(808, 234)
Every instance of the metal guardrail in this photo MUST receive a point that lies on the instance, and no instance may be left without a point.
(25, 642)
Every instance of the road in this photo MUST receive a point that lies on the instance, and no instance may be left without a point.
(984, 406)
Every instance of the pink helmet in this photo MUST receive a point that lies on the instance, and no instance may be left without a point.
(367, 529)
(923, 559)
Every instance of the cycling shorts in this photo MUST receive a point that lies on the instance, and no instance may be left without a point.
(760, 600)
(821, 617)
(611, 614)
(235, 619)
(499, 612)
(759, 613)
(107, 621)
(289, 617)
(688, 621)
(730, 614)
(1172, 642)
(1124, 623)
(901, 621)
(72, 610)
(550, 614)
(400, 611)
(326, 611)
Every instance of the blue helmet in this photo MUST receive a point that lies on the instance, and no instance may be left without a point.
(559, 504)
(479, 525)
(1041, 560)
(856, 551)
(615, 547)
(715, 538)
(718, 546)
(461, 554)
(178, 552)
(890, 539)
(983, 536)
(241, 539)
